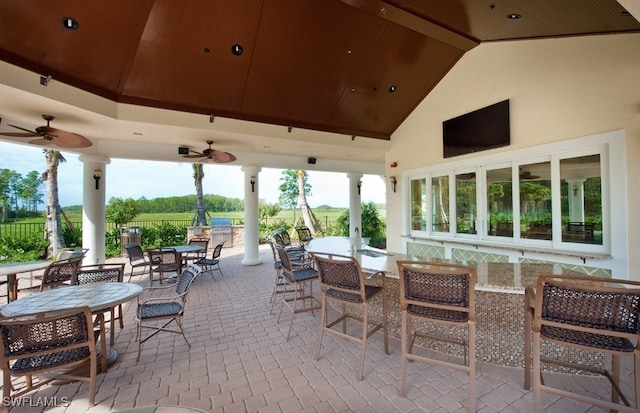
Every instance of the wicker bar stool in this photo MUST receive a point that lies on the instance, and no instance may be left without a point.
(590, 314)
(438, 294)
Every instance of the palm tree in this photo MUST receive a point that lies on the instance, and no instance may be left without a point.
(198, 175)
(309, 218)
(53, 223)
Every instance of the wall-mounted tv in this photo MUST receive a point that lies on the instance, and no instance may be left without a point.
(479, 130)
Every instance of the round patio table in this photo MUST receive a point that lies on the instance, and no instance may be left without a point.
(11, 271)
(100, 298)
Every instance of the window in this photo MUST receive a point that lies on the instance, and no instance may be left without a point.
(581, 199)
(500, 202)
(466, 212)
(563, 195)
(419, 204)
(440, 202)
(536, 217)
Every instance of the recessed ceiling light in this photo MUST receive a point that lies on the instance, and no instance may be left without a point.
(70, 23)
(625, 14)
(392, 88)
(513, 16)
(137, 133)
(236, 49)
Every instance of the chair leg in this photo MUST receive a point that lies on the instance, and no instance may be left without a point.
(363, 344)
(403, 355)
(471, 343)
(537, 402)
(293, 313)
(323, 324)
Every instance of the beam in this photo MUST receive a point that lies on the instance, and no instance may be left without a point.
(412, 22)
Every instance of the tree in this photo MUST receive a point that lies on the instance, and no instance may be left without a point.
(55, 233)
(294, 191)
(120, 211)
(7, 179)
(198, 176)
(30, 191)
(372, 226)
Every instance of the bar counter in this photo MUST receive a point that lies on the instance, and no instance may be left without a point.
(499, 297)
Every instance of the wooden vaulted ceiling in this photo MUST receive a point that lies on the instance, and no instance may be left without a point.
(354, 67)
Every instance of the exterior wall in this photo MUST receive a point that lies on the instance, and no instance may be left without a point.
(559, 89)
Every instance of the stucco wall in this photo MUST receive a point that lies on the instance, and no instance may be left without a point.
(559, 89)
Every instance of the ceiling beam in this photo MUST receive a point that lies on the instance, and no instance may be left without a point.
(411, 21)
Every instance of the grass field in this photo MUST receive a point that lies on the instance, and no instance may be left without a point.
(330, 213)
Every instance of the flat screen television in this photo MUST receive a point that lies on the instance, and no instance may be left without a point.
(479, 130)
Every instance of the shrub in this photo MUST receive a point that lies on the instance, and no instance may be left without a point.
(23, 249)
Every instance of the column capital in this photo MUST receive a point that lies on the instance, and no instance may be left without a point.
(250, 169)
(89, 158)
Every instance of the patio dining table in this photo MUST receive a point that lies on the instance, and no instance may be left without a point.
(100, 298)
(180, 249)
(11, 271)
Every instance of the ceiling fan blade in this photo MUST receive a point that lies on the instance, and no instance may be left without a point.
(194, 154)
(19, 134)
(221, 157)
(64, 139)
(30, 132)
(41, 141)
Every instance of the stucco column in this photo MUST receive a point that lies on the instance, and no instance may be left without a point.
(251, 254)
(355, 209)
(94, 183)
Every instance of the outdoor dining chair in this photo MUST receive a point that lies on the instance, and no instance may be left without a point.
(281, 238)
(166, 309)
(163, 261)
(297, 275)
(49, 346)
(211, 264)
(103, 273)
(60, 273)
(137, 259)
(193, 257)
(595, 315)
(438, 294)
(342, 283)
(304, 235)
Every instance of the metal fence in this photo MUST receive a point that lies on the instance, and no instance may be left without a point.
(27, 230)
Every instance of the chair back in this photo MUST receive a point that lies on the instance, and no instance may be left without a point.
(60, 272)
(44, 341)
(67, 253)
(276, 258)
(281, 237)
(570, 306)
(438, 290)
(340, 276)
(201, 242)
(284, 259)
(217, 251)
(134, 251)
(304, 234)
(99, 273)
(186, 279)
(165, 260)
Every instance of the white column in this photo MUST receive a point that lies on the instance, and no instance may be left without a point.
(355, 209)
(94, 183)
(251, 253)
(576, 199)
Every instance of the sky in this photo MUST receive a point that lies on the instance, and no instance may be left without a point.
(136, 179)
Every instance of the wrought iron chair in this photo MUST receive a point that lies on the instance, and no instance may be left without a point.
(60, 273)
(211, 264)
(137, 259)
(590, 314)
(47, 345)
(199, 255)
(280, 285)
(304, 235)
(297, 276)
(438, 294)
(343, 283)
(166, 309)
(282, 239)
(163, 261)
(103, 273)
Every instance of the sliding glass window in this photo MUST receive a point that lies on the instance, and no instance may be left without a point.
(418, 204)
(500, 202)
(440, 201)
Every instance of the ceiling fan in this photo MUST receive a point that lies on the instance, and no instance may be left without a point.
(51, 136)
(526, 175)
(212, 154)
